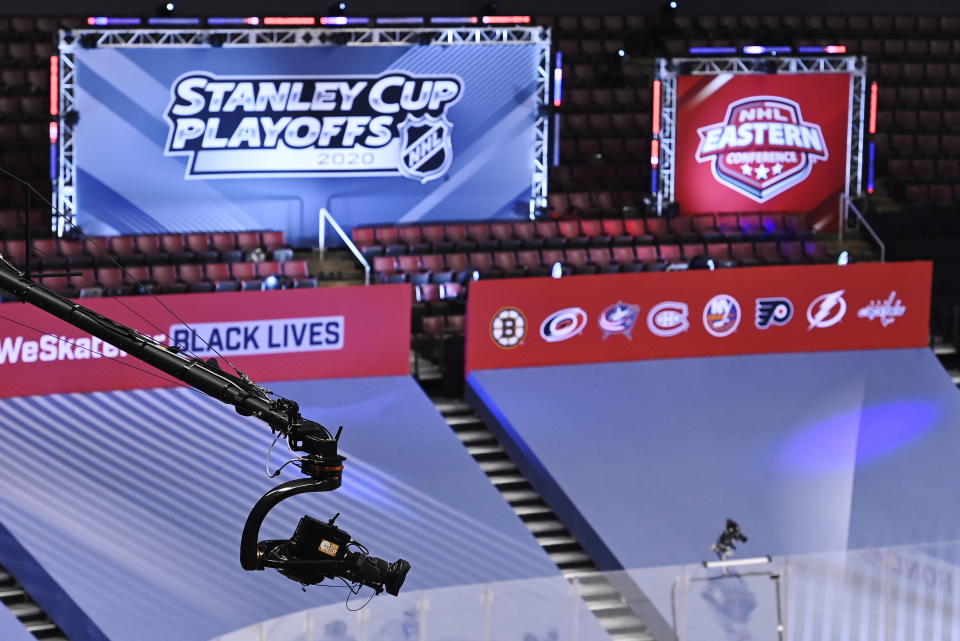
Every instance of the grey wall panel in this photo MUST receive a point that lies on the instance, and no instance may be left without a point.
(11, 629)
(809, 452)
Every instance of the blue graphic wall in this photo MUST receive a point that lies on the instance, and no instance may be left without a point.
(122, 511)
(644, 461)
(11, 629)
(228, 138)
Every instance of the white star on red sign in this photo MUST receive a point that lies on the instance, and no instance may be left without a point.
(777, 169)
(762, 172)
(746, 169)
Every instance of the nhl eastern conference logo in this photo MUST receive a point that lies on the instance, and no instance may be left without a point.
(394, 124)
(762, 148)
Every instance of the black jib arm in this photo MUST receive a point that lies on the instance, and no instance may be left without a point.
(295, 558)
(280, 414)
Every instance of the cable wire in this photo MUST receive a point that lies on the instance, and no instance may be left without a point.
(356, 592)
(266, 463)
(112, 358)
(86, 238)
(117, 298)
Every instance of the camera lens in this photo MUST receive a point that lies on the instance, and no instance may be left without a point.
(376, 573)
(395, 576)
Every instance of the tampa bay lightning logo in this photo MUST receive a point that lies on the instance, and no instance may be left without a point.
(619, 318)
(425, 149)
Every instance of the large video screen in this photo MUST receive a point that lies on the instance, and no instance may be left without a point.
(763, 142)
(174, 138)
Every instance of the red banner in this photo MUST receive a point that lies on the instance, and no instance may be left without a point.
(296, 334)
(763, 143)
(627, 317)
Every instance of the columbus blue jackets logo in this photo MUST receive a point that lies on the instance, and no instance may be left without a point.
(762, 148)
(425, 151)
(619, 318)
(773, 311)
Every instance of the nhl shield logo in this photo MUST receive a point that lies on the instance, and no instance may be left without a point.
(425, 149)
(762, 148)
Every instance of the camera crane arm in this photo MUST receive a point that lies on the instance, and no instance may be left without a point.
(321, 463)
(206, 376)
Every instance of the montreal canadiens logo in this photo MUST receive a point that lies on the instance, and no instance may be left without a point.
(619, 318)
(563, 324)
(721, 315)
(508, 327)
(762, 148)
(668, 318)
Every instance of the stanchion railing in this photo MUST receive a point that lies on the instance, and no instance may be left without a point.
(849, 206)
(901, 593)
(325, 216)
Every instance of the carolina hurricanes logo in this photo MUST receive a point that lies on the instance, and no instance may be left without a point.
(763, 147)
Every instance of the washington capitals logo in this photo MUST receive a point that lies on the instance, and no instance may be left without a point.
(762, 148)
(888, 311)
(425, 150)
(619, 318)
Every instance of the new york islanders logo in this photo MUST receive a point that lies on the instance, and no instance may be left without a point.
(762, 148)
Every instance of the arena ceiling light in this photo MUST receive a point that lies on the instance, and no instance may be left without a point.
(170, 21)
(289, 21)
(506, 19)
(105, 21)
(454, 20)
(401, 20)
(712, 51)
(761, 50)
(252, 21)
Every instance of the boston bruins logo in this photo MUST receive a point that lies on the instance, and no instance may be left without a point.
(508, 327)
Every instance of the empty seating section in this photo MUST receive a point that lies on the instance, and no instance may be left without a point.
(14, 221)
(25, 50)
(166, 263)
(597, 192)
(440, 254)
(604, 133)
(438, 308)
(174, 279)
(604, 122)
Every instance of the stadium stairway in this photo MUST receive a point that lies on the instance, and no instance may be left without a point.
(947, 354)
(603, 599)
(27, 611)
(337, 267)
